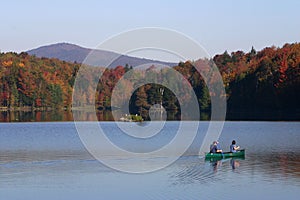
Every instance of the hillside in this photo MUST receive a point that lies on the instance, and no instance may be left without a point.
(74, 53)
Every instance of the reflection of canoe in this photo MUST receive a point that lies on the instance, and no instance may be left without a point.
(240, 153)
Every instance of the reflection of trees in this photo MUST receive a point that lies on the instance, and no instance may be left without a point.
(40, 116)
(282, 164)
(37, 116)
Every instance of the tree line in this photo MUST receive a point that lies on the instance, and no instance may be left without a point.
(257, 84)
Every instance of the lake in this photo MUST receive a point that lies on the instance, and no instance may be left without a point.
(47, 160)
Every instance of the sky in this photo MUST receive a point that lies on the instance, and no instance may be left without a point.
(217, 25)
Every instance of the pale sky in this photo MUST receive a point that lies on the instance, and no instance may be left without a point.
(217, 25)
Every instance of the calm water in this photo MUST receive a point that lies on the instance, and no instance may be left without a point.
(48, 161)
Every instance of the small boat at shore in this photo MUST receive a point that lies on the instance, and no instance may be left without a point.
(239, 153)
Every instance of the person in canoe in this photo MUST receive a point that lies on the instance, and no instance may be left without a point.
(215, 148)
(234, 147)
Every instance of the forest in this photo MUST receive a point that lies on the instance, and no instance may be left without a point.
(259, 85)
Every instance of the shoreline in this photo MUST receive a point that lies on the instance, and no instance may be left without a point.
(25, 114)
(32, 109)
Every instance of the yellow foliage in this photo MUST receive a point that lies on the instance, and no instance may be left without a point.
(21, 64)
(7, 63)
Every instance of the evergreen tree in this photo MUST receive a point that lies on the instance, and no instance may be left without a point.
(204, 99)
(141, 102)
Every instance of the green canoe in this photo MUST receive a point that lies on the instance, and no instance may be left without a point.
(240, 153)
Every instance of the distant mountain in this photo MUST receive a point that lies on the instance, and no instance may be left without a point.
(74, 53)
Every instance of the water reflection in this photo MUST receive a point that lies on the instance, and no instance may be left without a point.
(276, 165)
(35, 116)
(234, 163)
(260, 168)
(217, 163)
(199, 171)
(67, 115)
(53, 115)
